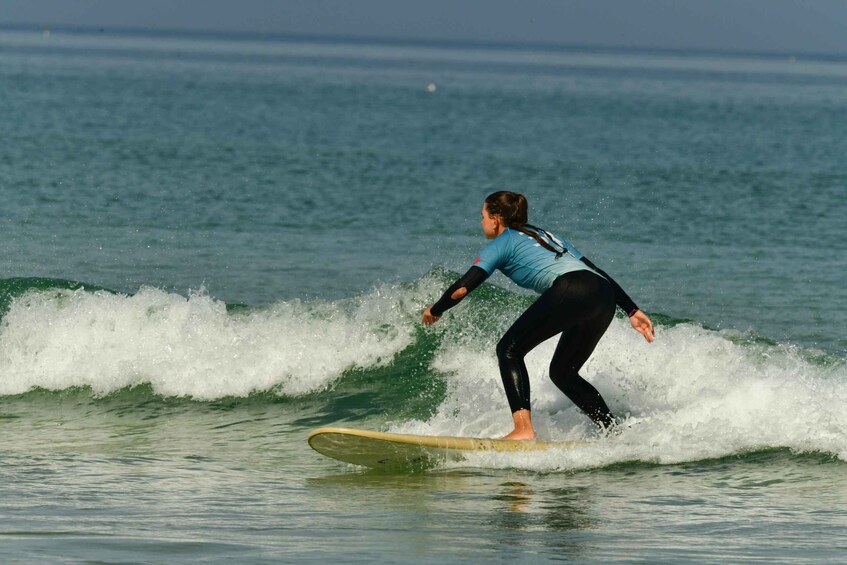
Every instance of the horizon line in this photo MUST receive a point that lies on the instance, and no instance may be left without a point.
(416, 41)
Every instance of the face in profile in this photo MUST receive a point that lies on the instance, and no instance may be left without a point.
(490, 224)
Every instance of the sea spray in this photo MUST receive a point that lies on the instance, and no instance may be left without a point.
(191, 346)
(693, 394)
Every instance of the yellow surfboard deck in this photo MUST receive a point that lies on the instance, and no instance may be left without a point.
(387, 450)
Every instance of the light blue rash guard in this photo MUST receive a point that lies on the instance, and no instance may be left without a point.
(522, 259)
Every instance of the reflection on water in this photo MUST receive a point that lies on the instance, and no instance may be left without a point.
(735, 508)
(547, 521)
(517, 496)
(243, 476)
(472, 509)
(553, 509)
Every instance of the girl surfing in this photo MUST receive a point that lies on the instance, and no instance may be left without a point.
(577, 300)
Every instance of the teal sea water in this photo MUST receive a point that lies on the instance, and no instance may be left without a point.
(212, 245)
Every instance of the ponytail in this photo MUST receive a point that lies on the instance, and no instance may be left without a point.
(512, 209)
(544, 243)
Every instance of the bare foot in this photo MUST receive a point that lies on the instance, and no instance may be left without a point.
(520, 435)
(523, 429)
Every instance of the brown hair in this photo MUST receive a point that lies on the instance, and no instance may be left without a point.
(512, 209)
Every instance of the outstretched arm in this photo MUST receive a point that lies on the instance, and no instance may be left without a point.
(453, 295)
(637, 319)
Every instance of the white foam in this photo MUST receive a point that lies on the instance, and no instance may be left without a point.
(695, 394)
(192, 346)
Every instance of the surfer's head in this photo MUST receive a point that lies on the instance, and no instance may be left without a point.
(506, 209)
(503, 209)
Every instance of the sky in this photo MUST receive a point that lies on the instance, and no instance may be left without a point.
(780, 26)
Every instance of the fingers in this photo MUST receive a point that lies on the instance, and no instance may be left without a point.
(647, 331)
(642, 324)
(428, 319)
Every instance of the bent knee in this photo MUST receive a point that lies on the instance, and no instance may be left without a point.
(562, 372)
(507, 349)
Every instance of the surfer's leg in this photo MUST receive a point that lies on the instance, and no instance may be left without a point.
(537, 324)
(574, 348)
(571, 354)
(531, 328)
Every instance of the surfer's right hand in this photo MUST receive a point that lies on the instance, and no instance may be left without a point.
(428, 318)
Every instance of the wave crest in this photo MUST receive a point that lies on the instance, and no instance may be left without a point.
(62, 338)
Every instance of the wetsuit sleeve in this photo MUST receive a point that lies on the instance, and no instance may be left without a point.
(622, 299)
(470, 280)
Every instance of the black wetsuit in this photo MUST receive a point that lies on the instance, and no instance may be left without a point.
(580, 305)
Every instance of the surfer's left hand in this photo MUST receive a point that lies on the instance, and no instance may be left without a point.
(428, 319)
(642, 324)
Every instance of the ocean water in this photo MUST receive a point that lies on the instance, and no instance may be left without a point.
(214, 244)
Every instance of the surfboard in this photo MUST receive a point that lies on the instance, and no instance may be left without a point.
(384, 450)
